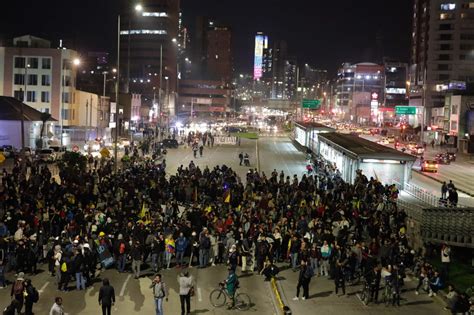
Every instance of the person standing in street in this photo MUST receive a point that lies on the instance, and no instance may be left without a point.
(17, 291)
(444, 190)
(306, 273)
(186, 287)
(160, 292)
(31, 297)
(137, 255)
(241, 158)
(57, 308)
(106, 297)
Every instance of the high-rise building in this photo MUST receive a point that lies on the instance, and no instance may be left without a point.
(360, 91)
(396, 76)
(313, 82)
(290, 80)
(280, 55)
(441, 54)
(219, 53)
(261, 43)
(147, 37)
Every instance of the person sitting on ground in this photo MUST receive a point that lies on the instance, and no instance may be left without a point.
(269, 270)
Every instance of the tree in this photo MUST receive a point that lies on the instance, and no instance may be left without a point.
(44, 118)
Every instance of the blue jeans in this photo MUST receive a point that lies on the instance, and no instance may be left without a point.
(159, 306)
(180, 258)
(294, 260)
(121, 261)
(168, 257)
(314, 265)
(203, 257)
(80, 281)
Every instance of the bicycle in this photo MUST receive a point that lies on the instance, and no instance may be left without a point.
(365, 294)
(387, 294)
(218, 298)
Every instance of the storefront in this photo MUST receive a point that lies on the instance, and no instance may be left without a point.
(351, 153)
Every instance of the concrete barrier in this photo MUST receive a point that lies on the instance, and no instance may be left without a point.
(285, 310)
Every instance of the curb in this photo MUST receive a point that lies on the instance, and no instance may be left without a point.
(285, 310)
(440, 181)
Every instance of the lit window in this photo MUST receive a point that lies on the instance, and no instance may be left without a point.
(446, 16)
(155, 14)
(144, 32)
(448, 6)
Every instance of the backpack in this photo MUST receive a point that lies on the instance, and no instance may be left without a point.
(64, 267)
(34, 295)
(206, 243)
(18, 287)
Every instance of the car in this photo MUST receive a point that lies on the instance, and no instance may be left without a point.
(170, 143)
(46, 155)
(418, 150)
(383, 141)
(442, 158)
(124, 142)
(411, 145)
(430, 166)
(92, 146)
(451, 156)
(391, 139)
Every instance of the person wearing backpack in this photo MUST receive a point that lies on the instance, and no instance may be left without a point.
(31, 297)
(17, 291)
(160, 292)
(306, 273)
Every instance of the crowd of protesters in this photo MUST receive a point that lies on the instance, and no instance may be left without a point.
(141, 216)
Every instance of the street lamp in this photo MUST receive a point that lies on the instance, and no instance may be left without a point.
(75, 62)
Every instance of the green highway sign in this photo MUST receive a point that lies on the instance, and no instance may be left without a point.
(405, 110)
(311, 104)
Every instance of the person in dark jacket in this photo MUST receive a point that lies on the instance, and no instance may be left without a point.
(31, 297)
(106, 297)
(306, 273)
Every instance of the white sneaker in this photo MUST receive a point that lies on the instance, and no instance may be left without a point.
(296, 298)
(435, 294)
(303, 298)
(417, 293)
(430, 294)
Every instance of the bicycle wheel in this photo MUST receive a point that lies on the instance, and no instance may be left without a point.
(217, 297)
(364, 297)
(242, 302)
(388, 297)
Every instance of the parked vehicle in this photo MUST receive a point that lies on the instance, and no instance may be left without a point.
(46, 155)
(430, 166)
(8, 151)
(451, 156)
(170, 143)
(418, 150)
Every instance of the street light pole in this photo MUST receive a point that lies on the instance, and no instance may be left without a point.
(117, 83)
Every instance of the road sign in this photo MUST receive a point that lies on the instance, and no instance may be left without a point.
(311, 104)
(2, 158)
(105, 152)
(405, 110)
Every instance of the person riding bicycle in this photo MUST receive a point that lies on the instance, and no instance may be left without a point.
(231, 285)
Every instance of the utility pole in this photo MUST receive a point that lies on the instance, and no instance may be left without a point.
(117, 83)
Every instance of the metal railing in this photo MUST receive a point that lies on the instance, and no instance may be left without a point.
(422, 194)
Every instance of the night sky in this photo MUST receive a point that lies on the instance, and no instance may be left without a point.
(321, 33)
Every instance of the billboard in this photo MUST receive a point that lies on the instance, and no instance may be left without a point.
(261, 42)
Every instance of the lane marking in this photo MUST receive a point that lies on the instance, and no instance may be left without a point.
(122, 291)
(258, 156)
(43, 287)
(199, 294)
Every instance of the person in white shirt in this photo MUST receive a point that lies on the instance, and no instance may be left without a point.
(57, 308)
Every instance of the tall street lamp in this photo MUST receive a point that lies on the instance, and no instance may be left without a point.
(138, 8)
(75, 62)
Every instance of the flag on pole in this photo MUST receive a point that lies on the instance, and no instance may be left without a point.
(227, 196)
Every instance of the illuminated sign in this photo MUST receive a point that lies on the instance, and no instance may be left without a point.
(375, 96)
(395, 91)
(261, 42)
(144, 32)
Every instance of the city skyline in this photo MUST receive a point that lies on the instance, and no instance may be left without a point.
(354, 32)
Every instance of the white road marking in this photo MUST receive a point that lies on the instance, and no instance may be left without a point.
(122, 291)
(199, 293)
(43, 287)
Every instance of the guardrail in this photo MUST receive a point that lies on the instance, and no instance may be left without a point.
(422, 194)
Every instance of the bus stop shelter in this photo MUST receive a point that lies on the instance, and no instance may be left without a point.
(306, 133)
(350, 153)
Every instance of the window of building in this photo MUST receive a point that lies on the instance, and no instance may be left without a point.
(66, 114)
(454, 125)
(443, 77)
(445, 47)
(448, 6)
(454, 109)
(66, 97)
(32, 79)
(31, 96)
(18, 94)
(444, 57)
(19, 62)
(33, 63)
(445, 37)
(469, 57)
(46, 63)
(45, 80)
(467, 16)
(443, 67)
(466, 46)
(467, 36)
(445, 27)
(19, 79)
(446, 16)
(45, 97)
(67, 80)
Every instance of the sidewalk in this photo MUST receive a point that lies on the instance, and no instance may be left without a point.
(323, 298)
